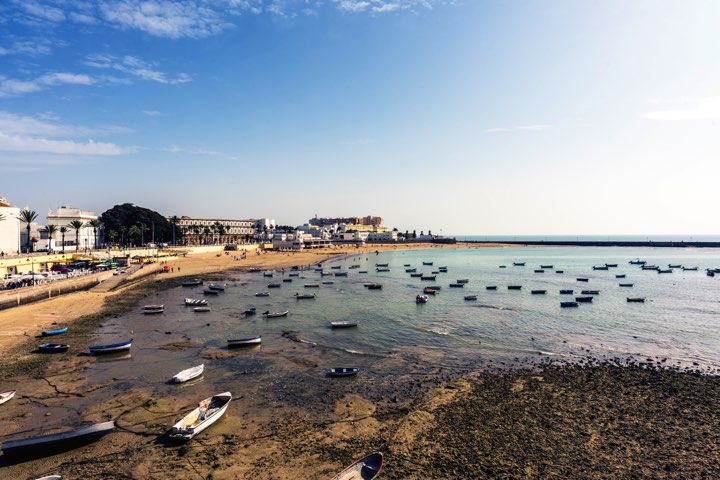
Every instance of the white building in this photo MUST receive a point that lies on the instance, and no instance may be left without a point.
(390, 236)
(238, 231)
(9, 228)
(85, 236)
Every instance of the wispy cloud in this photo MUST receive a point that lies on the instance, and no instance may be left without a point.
(707, 108)
(43, 134)
(10, 86)
(151, 113)
(27, 47)
(136, 67)
(520, 128)
(199, 151)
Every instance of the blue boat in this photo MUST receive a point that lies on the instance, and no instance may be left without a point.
(112, 348)
(56, 331)
(53, 347)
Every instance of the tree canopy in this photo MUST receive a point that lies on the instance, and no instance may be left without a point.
(121, 218)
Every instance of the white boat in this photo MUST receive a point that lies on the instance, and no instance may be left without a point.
(193, 302)
(367, 468)
(345, 324)
(51, 477)
(304, 296)
(189, 374)
(269, 314)
(312, 285)
(244, 342)
(201, 309)
(207, 413)
(151, 309)
(5, 396)
(262, 294)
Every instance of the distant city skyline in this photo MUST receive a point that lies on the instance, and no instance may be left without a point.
(478, 118)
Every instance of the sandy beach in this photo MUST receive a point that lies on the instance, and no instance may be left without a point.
(589, 420)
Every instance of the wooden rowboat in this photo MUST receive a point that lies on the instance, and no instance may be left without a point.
(207, 413)
(5, 396)
(244, 342)
(269, 314)
(111, 348)
(46, 444)
(189, 374)
(367, 468)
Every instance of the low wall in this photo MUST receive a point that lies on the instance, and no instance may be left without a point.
(22, 296)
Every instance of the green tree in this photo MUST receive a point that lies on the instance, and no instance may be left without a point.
(95, 225)
(127, 215)
(174, 221)
(111, 236)
(28, 216)
(63, 231)
(77, 225)
(133, 232)
(123, 230)
(206, 232)
(196, 230)
(51, 230)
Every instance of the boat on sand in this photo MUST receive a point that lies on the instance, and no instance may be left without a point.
(367, 468)
(207, 413)
(189, 374)
(44, 445)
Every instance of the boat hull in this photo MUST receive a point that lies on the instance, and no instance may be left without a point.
(44, 445)
(114, 348)
(182, 432)
(367, 468)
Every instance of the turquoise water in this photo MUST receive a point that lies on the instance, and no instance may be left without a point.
(678, 320)
(588, 238)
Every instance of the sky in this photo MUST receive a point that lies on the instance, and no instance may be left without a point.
(461, 117)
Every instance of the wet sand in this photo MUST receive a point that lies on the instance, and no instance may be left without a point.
(596, 420)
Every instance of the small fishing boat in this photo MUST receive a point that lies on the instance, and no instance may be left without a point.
(650, 267)
(270, 314)
(207, 413)
(538, 292)
(427, 263)
(153, 309)
(43, 445)
(689, 269)
(353, 266)
(666, 270)
(626, 284)
(590, 292)
(582, 279)
(267, 274)
(559, 271)
(568, 304)
(254, 269)
(244, 342)
(518, 264)
(189, 374)
(611, 265)
(193, 302)
(57, 331)
(470, 297)
(343, 371)
(192, 283)
(5, 396)
(429, 291)
(250, 311)
(342, 274)
(456, 285)
(462, 280)
(514, 287)
(304, 296)
(636, 299)
(207, 291)
(111, 348)
(51, 477)
(566, 292)
(410, 270)
(443, 269)
(670, 265)
(274, 285)
(622, 275)
(262, 294)
(584, 299)
(383, 269)
(201, 309)
(548, 267)
(428, 277)
(312, 285)
(373, 286)
(435, 272)
(337, 267)
(326, 274)
(362, 271)
(539, 271)
(293, 274)
(347, 324)
(421, 299)
(502, 266)
(491, 287)
(367, 468)
(637, 262)
(53, 347)
(710, 273)
(600, 268)
(328, 282)
(416, 275)
(382, 264)
(404, 265)
(434, 287)
(215, 286)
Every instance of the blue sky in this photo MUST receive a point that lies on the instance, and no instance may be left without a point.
(474, 117)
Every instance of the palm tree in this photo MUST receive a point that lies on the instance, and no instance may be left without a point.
(28, 216)
(196, 229)
(51, 230)
(95, 225)
(134, 232)
(63, 231)
(123, 231)
(174, 221)
(206, 232)
(77, 225)
(111, 235)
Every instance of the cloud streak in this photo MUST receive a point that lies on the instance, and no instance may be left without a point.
(135, 67)
(15, 87)
(520, 128)
(707, 108)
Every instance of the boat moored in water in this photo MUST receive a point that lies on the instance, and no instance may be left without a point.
(270, 314)
(421, 299)
(344, 324)
(568, 304)
(636, 299)
(470, 297)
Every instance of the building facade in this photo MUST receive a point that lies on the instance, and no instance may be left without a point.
(215, 230)
(82, 239)
(365, 221)
(9, 228)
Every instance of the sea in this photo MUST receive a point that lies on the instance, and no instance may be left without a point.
(587, 238)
